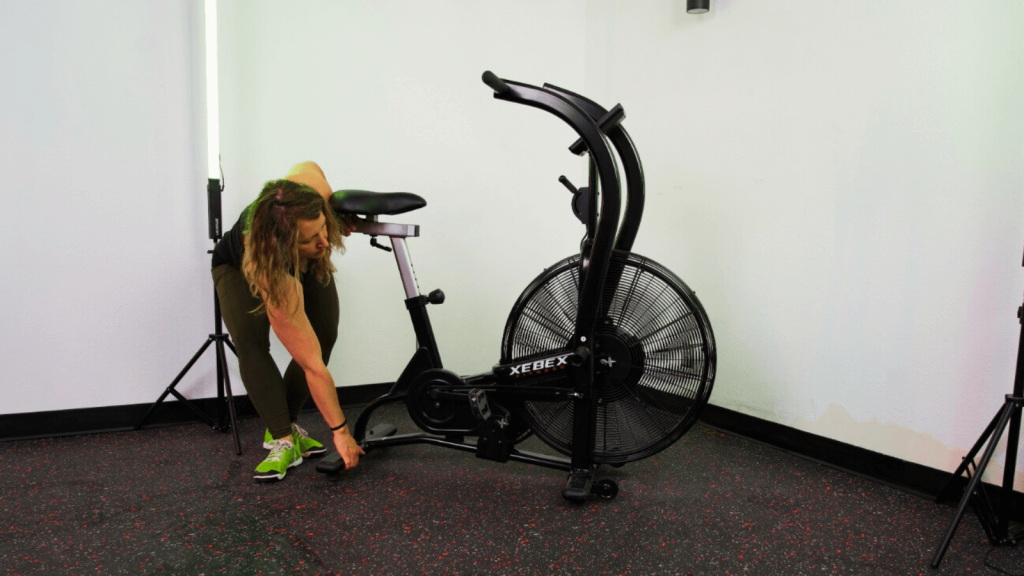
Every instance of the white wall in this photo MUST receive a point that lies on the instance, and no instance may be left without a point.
(388, 97)
(841, 184)
(106, 290)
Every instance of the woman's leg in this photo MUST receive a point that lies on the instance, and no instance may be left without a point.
(322, 309)
(251, 335)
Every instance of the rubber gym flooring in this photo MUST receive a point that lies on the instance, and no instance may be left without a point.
(178, 500)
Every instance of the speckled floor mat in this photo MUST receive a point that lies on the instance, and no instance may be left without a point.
(179, 501)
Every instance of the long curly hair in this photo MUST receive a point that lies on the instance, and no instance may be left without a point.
(272, 239)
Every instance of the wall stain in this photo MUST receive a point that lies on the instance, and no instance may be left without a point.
(905, 443)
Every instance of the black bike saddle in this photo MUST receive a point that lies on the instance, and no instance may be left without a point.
(375, 203)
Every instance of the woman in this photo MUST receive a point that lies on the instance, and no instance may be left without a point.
(273, 270)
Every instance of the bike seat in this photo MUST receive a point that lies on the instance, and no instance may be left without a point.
(375, 203)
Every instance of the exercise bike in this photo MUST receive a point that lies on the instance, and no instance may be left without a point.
(607, 356)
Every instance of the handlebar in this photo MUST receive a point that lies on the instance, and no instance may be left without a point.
(610, 124)
(606, 123)
(496, 84)
(596, 257)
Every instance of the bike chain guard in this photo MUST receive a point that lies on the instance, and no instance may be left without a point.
(436, 410)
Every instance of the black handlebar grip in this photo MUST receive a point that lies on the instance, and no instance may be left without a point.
(496, 84)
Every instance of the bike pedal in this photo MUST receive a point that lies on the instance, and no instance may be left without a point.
(478, 404)
(331, 465)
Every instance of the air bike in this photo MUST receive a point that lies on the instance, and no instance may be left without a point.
(607, 356)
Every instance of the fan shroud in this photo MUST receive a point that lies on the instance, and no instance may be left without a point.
(654, 357)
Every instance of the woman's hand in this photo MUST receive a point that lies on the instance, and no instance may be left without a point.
(347, 448)
(348, 224)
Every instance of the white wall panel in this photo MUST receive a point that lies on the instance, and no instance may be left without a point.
(106, 290)
(388, 97)
(841, 185)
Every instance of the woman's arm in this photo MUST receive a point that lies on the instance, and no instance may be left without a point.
(310, 174)
(296, 333)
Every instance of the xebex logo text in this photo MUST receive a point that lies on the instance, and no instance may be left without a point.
(556, 362)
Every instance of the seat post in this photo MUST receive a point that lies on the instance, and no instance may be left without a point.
(416, 304)
(405, 267)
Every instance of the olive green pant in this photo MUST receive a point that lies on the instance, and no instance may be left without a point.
(278, 399)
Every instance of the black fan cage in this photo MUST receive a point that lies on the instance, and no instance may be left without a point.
(646, 311)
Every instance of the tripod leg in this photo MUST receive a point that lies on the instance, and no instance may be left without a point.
(170, 389)
(1004, 418)
(223, 370)
(1006, 500)
(969, 458)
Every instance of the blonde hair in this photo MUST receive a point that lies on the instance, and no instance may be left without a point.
(272, 239)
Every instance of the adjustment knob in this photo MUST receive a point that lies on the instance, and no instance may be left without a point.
(436, 297)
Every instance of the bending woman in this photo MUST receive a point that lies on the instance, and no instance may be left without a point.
(273, 270)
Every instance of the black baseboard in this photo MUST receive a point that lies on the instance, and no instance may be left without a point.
(34, 425)
(901, 474)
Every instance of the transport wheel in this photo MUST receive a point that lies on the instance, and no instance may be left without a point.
(606, 489)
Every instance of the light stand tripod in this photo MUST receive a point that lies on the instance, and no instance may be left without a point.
(225, 400)
(996, 525)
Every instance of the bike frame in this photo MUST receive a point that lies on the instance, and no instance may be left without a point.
(595, 127)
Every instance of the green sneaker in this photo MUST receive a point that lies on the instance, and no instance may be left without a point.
(283, 455)
(307, 446)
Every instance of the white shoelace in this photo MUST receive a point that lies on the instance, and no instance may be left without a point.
(299, 431)
(280, 447)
